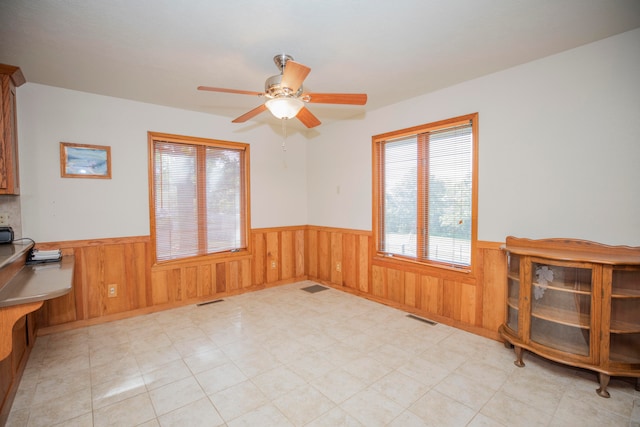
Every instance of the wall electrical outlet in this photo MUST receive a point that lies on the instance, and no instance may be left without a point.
(112, 291)
(4, 218)
(273, 264)
(338, 266)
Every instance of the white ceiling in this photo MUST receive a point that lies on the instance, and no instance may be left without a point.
(159, 51)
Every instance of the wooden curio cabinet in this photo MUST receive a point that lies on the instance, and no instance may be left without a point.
(575, 302)
(10, 78)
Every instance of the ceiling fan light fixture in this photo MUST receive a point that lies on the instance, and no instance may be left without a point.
(284, 108)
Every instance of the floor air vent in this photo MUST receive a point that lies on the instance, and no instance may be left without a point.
(209, 302)
(314, 288)
(431, 322)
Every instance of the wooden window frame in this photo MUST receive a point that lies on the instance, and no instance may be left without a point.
(378, 161)
(245, 198)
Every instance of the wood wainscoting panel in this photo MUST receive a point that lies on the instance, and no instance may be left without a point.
(287, 255)
(324, 255)
(472, 300)
(364, 262)
(123, 262)
(299, 250)
(494, 291)
(336, 260)
(259, 258)
(350, 261)
(378, 281)
(311, 252)
(395, 285)
(273, 256)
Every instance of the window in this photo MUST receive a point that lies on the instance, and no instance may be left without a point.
(425, 186)
(199, 196)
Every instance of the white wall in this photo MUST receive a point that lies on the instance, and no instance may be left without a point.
(57, 209)
(559, 154)
(559, 148)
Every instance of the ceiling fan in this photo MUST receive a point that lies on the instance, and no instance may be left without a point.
(286, 97)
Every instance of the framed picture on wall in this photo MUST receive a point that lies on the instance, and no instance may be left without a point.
(85, 161)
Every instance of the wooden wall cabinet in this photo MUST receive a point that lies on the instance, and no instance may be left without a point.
(10, 78)
(575, 302)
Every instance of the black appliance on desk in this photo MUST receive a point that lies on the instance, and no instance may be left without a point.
(6, 235)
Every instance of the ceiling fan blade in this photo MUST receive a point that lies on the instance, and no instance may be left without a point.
(221, 89)
(307, 118)
(246, 116)
(337, 98)
(294, 74)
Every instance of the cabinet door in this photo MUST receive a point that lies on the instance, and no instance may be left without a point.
(513, 293)
(624, 327)
(561, 302)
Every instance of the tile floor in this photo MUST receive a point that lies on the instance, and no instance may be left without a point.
(285, 357)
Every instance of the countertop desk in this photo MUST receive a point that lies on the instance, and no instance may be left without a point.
(24, 288)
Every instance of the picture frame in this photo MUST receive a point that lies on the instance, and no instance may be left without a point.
(85, 161)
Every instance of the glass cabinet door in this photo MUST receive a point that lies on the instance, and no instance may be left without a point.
(513, 291)
(561, 306)
(625, 316)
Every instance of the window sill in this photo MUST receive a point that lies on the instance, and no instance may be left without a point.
(465, 274)
(203, 259)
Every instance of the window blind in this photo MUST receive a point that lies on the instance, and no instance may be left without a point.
(425, 195)
(199, 199)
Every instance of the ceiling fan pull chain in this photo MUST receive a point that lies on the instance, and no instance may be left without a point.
(284, 133)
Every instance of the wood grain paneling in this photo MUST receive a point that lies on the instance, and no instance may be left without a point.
(335, 265)
(259, 260)
(469, 299)
(474, 301)
(311, 250)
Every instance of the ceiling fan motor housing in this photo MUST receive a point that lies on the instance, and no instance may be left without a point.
(274, 89)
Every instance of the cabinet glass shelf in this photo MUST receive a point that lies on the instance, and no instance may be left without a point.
(575, 302)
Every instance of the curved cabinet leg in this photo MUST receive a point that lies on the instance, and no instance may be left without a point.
(519, 353)
(604, 382)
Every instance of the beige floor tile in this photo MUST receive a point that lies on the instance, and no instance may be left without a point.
(505, 409)
(220, 378)
(303, 404)
(54, 387)
(166, 374)
(192, 346)
(60, 408)
(116, 390)
(264, 416)
(467, 391)
(400, 388)
(407, 419)
(84, 420)
(335, 417)
(423, 371)
(130, 412)
(311, 365)
(436, 409)
(200, 413)
(120, 367)
(176, 395)
(156, 357)
(203, 361)
(338, 385)
(278, 381)
(360, 407)
(238, 400)
(390, 355)
(367, 369)
(282, 356)
(481, 420)
(590, 412)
